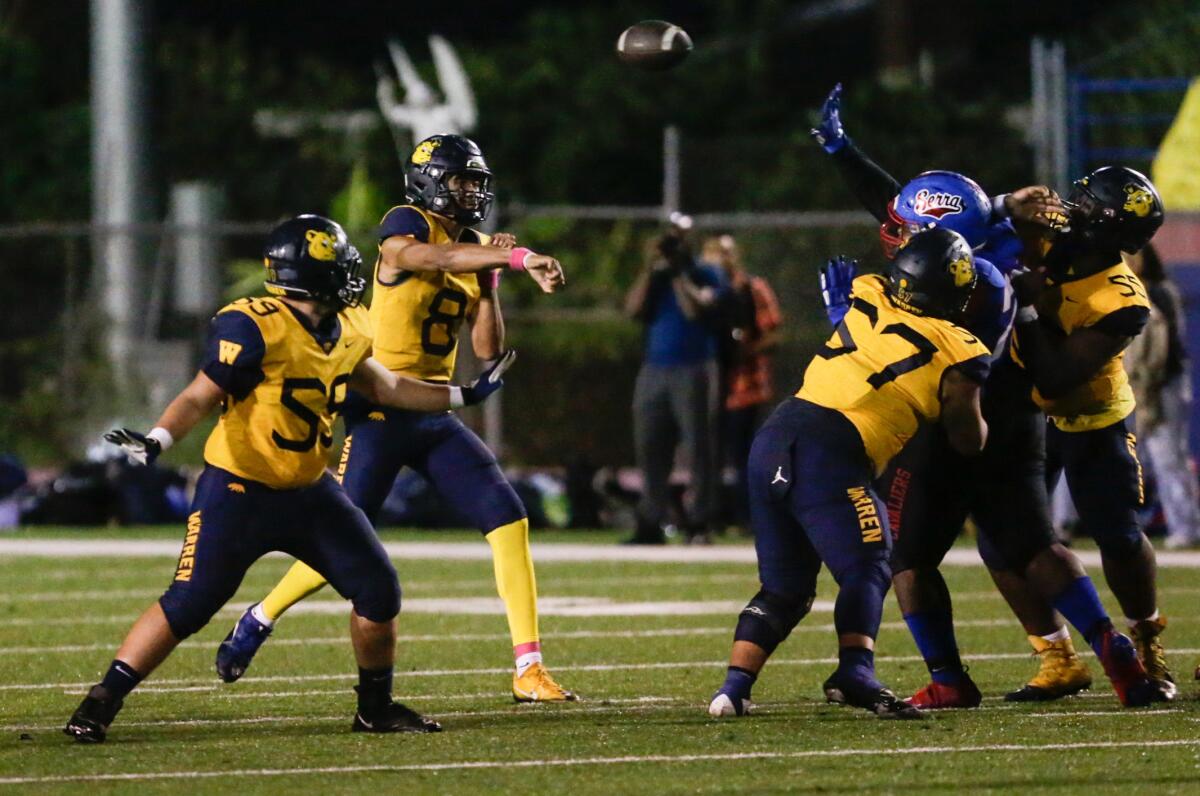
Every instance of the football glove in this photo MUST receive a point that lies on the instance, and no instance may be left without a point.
(490, 380)
(836, 279)
(138, 448)
(829, 133)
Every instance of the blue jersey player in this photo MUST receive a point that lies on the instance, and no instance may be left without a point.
(279, 367)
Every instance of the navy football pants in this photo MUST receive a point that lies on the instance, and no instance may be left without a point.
(812, 501)
(439, 447)
(235, 521)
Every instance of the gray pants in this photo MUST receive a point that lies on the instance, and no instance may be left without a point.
(676, 405)
(1167, 444)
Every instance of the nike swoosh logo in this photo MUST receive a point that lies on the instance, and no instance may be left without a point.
(365, 723)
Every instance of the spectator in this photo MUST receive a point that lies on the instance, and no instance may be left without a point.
(1161, 377)
(675, 400)
(752, 333)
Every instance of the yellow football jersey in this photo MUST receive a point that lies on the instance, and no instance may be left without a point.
(1113, 299)
(418, 316)
(286, 386)
(883, 369)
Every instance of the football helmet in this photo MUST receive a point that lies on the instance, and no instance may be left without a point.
(937, 198)
(933, 274)
(309, 257)
(428, 172)
(1115, 208)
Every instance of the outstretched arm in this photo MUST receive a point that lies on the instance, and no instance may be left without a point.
(192, 405)
(400, 253)
(384, 387)
(870, 183)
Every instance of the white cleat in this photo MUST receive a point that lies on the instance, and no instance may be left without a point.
(722, 706)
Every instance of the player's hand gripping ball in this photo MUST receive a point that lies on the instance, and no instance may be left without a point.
(654, 45)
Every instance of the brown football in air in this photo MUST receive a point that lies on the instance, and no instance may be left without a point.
(654, 44)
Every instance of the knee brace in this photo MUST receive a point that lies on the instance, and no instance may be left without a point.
(1119, 543)
(1012, 548)
(768, 618)
(378, 598)
(188, 610)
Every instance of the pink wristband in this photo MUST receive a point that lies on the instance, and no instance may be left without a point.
(517, 257)
(491, 279)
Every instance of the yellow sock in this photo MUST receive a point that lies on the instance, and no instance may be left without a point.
(515, 580)
(299, 582)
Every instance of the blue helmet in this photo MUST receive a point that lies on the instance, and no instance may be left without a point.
(937, 198)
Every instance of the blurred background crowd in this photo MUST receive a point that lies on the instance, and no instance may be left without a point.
(149, 145)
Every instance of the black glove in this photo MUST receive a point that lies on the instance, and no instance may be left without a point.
(139, 448)
(490, 380)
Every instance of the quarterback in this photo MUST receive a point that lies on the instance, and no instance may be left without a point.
(433, 272)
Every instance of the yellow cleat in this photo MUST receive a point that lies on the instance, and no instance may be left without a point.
(536, 685)
(1145, 637)
(1061, 673)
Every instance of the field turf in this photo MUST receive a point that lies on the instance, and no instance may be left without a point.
(644, 680)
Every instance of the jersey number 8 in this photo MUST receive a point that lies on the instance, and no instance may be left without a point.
(445, 322)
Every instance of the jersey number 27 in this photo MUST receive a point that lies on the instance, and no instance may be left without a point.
(924, 355)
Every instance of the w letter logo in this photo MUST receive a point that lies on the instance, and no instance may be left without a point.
(227, 352)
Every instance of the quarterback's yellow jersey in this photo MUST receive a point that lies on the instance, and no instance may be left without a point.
(417, 316)
(1113, 300)
(883, 369)
(285, 382)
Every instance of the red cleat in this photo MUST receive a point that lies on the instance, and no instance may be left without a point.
(936, 696)
(1134, 687)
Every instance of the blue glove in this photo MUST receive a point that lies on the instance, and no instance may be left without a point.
(489, 381)
(139, 448)
(829, 133)
(836, 279)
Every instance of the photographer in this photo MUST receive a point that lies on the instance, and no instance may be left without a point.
(676, 398)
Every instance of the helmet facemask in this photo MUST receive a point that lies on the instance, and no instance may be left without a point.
(471, 200)
(896, 231)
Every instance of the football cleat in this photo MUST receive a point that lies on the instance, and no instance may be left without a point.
(1150, 650)
(937, 696)
(724, 705)
(1061, 673)
(870, 696)
(89, 723)
(238, 648)
(536, 685)
(393, 717)
(1134, 687)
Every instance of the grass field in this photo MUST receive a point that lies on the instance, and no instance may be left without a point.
(644, 643)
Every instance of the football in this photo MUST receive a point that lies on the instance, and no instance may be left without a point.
(654, 44)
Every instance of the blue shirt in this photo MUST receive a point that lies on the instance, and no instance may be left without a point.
(671, 337)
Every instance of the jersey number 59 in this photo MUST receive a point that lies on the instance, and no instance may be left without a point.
(335, 396)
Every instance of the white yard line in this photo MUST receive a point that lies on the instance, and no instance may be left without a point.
(571, 552)
(666, 632)
(513, 709)
(466, 765)
(578, 606)
(166, 684)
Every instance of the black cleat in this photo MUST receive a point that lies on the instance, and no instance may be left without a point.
(870, 696)
(89, 723)
(393, 717)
